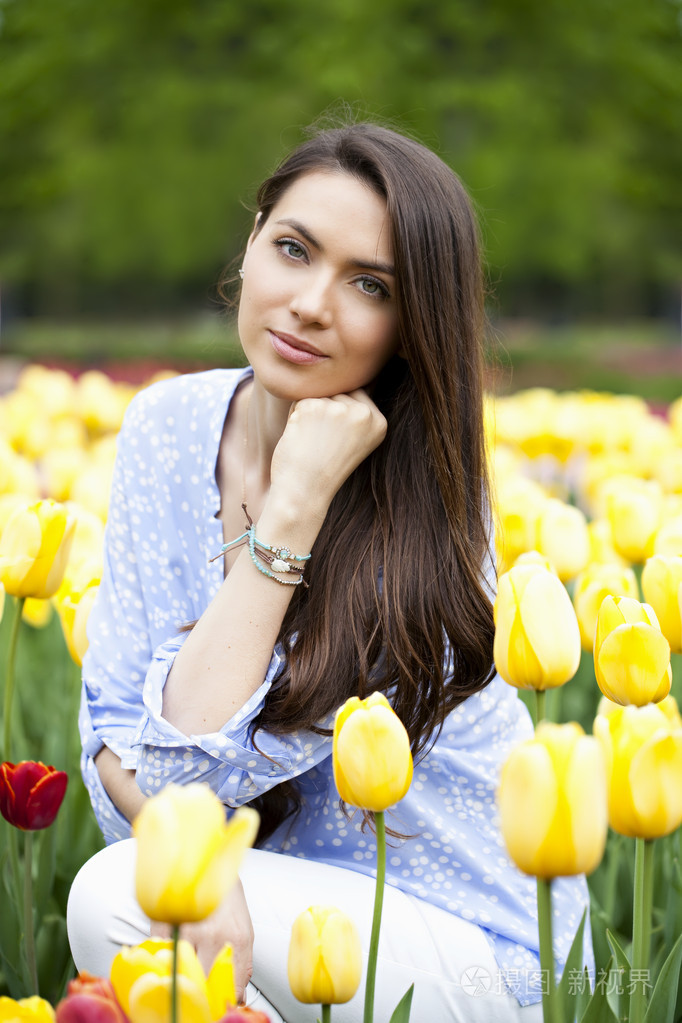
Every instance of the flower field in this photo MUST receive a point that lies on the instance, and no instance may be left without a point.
(588, 510)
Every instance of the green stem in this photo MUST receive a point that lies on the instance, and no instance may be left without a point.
(175, 935)
(376, 920)
(552, 1009)
(29, 936)
(641, 925)
(9, 676)
(326, 1014)
(612, 871)
(540, 706)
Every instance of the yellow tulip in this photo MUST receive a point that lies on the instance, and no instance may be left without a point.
(371, 753)
(74, 610)
(644, 766)
(535, 558)
(669, 537)
(634, 508)
(662, 586)
(37, 613)
(599, 580)
(26, 1010)
(150, 1001)
(518, 507)
(667, 705)
(155, 957)
(188, 856)
(631, 654)
(537, 639)
(140, 977)
(553, 802)
(34, 549)
(601, 543)
(563, 538)
(325, 957)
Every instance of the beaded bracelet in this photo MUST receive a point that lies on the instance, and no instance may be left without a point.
(277, 557)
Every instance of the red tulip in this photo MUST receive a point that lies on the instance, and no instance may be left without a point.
(30, 794)
(90, 1000)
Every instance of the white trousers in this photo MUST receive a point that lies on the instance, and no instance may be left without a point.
(454, 972)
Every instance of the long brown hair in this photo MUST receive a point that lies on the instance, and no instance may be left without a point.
(397, 597)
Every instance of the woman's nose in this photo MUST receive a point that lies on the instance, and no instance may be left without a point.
(312, 301)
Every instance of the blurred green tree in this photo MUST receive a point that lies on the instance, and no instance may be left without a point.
(132, 132)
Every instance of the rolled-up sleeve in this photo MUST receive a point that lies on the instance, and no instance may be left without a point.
(236, 766)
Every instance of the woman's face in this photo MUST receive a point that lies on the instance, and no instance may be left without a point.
(317, 314)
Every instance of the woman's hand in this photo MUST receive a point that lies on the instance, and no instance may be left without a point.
(231, 922)
(325, 439)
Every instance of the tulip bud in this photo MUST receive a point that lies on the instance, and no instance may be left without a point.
(31, 794)
(633, 507)
(669, 537)
(553, 802)
(26, 1010)
(519, 503)
(188, 857)
(601, 543)
(371, 754)
(34, 549)
(631, 654)
(563, 538)
(662, 586)
(153, 957)
(90, 1000)
(600, 580)
(74, 610)
(325, 957)
(537, 640)
(644, 766)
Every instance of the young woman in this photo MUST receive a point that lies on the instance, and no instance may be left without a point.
(355, 440)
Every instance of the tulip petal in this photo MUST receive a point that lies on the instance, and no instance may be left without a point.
(150, 1001)
(221, 867)
(528, 799)
(654, 776)
(633, 665)
(46, 798)
(220, 983)
(552, 628)
(589, 817)
(374, 749)
(26, 1010)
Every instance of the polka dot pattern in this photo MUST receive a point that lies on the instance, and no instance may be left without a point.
(161, 531)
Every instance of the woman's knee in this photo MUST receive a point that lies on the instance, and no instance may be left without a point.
(102, 912)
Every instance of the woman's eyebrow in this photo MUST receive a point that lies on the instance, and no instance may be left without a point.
(361, 264)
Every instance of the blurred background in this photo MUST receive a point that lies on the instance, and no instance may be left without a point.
(133, 135)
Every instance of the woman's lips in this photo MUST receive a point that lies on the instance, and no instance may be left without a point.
(292, 349)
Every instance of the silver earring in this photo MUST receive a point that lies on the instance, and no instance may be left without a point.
(241, 272)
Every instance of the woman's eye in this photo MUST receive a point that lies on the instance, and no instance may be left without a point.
(372, 287)
(291, 248)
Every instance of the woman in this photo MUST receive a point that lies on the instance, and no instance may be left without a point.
(354, 440)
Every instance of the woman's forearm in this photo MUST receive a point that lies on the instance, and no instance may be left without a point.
(226, 656)
(119, 783)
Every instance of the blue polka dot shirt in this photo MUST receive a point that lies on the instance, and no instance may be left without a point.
(160, 534)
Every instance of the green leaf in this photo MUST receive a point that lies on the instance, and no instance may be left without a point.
(598, 1009)
(44, 878)
(618, 994)
(662, 1005)
(401, 1013)
(567, 992)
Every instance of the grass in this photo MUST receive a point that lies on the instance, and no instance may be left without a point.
(640, 357)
